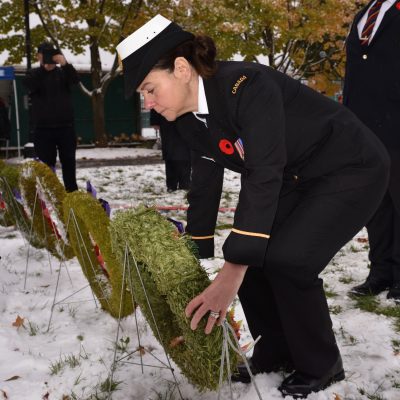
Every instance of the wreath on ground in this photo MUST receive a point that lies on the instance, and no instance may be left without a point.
(18, 214)
(88, 231)
(43, 194)
(172, 276)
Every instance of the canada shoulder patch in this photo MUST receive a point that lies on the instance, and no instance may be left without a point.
(238, 83)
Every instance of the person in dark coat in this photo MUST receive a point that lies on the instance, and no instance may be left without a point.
(52, 113)
(372, 92)
(5, 125)
(312, 175)
(175, 152)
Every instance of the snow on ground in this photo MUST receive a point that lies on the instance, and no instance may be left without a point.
(114, 153)
(72, 359)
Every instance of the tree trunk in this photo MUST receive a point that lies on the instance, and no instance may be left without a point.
(99, 122)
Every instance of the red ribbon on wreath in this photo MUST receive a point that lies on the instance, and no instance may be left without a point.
(100, 259)
(226, 146)
(48, 219)
(2, 203)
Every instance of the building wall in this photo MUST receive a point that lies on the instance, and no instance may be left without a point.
(122, 116)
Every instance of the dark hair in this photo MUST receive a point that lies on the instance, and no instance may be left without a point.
(200, 52)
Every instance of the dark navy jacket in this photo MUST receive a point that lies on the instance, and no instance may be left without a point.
(277, 133)
(372, 85)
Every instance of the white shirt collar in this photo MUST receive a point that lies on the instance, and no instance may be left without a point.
(201, 101)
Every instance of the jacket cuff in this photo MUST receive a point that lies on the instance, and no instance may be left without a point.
(205, 246)
(245, 250)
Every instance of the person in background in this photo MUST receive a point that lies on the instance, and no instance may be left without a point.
(175, 152)
(312, 175)
(5, 125)
(50, 88)
(372, 91)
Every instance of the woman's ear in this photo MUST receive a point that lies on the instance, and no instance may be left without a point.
(182, 69)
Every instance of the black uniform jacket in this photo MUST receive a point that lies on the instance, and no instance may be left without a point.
(172, 146)
(277, 133)
(50, 93)
(372, 85)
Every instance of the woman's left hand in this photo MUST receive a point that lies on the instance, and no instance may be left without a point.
(217, 297)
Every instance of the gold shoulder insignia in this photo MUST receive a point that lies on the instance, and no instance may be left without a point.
(237, 84)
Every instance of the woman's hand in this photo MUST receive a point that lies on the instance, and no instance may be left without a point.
(217, 297)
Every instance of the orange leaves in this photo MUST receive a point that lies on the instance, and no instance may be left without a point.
(19, 322)
(176, 341)
(236, 325)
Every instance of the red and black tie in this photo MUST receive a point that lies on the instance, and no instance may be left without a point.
(371, 19)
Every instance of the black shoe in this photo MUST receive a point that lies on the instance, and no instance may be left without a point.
(242, 375)
(300, 385)
(394, 292)
(369, 288)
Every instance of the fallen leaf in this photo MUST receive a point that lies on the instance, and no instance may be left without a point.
(362, 240)
(13, 378)
(46, 396)
(4, 394)
(141, 350)
(18, 322)
(337, 397)
(176, 341)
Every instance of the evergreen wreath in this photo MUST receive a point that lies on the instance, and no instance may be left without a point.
(6, 217)
(172, 276)
(9, 182)
(88, 229)
(43, 194)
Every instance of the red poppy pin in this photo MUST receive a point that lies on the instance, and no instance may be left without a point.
(398, 5)
(226, 146)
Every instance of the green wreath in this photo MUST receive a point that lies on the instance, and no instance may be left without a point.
(172, 276)
(43, 194)
(6, 217)
(90, 238)
(9, 182)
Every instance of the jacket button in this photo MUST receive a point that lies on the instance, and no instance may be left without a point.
(364, 56)
(295, 177)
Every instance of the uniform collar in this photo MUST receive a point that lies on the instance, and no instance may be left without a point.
(202, 102)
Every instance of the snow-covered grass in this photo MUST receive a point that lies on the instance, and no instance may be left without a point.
(72, 359)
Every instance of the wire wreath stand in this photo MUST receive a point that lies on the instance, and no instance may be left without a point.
(228, 334)
(228, 331)
(60, 246)
(28, 231)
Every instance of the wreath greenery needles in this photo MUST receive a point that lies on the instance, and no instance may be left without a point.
(48, 222)
(91, 242)
(172, 276)
(6, 217)
(11, 174)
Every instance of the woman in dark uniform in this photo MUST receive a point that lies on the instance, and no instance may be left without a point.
(312, 176)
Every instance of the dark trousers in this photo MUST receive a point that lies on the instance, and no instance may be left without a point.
(177, 174)
(384, 240)
(47, 141)
(284, 302)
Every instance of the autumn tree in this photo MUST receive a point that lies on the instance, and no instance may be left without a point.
(77, 25)
(299, 37)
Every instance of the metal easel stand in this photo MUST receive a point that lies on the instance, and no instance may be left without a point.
(22, 225)
(228, 334)
(60, 244)
(128, 254)
(84, 251)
